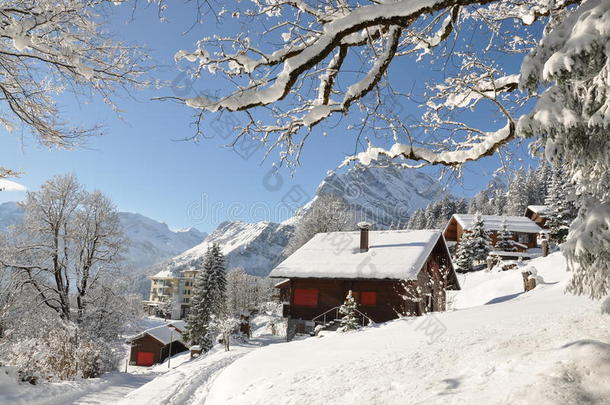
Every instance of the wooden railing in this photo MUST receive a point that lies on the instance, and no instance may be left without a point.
(333, 315)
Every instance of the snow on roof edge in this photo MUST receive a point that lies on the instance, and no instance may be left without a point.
(342, 259)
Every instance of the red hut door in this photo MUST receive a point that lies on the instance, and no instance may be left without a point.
(145, 358)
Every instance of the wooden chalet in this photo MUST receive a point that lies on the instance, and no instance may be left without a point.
(537, 213)
(156, 344)
(525, 231)
(380, 274)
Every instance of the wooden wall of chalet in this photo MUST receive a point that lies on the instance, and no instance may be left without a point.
(390, 302)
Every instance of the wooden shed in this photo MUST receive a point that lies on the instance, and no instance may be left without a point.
(525, 231)
(156, 344)
(381, 268)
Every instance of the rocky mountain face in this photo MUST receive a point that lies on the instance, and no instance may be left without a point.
(383, 196)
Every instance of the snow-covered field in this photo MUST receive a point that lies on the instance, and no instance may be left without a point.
(497, 346)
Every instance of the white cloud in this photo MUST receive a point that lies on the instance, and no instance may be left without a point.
(7, 185)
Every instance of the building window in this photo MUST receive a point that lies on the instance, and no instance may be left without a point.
(523, 238)
(186, 300)
(306, 297)
(368, 298)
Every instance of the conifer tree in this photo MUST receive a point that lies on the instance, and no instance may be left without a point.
(561, 210)
(218, 281)
(517, 196)
(505, 238)
(198, 331)
(209, 299)
(464, 255)
(348, 310)
(417, 220)
(481, 243)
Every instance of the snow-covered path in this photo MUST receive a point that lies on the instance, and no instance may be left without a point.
(116, 389)
(191, 382)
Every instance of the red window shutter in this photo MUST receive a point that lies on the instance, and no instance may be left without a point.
(305, 297)
(368, 298)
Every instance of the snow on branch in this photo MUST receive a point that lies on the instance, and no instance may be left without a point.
(48, 47)
(315, 60)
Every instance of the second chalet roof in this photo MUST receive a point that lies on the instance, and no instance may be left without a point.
(538, 209)
(494, 223)
(165, 333)
(391, 255)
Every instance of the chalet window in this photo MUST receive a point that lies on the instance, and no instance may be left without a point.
(523, 238)
(368, 298)
(186, 300)
(305, 297)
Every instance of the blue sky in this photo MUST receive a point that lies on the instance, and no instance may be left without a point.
(145, 167)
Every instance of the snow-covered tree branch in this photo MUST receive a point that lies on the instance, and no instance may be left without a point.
(51, 47)
(318, 59)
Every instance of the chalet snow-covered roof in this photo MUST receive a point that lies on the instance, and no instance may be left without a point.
(391, 255)
(165, 333)
(494, 223)
(538, 209)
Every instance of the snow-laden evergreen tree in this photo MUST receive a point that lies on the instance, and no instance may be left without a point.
(560, 211)
(218, 281)
(480, 241)
(417, 220)
(464, 254)
(209, 299)
(437, 213)
(571, 121)
(198, 330)
(349, 321)
(505, 240)
(517, 195)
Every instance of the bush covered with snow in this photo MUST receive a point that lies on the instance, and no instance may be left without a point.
(63, 352)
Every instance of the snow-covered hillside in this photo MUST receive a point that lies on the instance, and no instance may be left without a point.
(501, 346)
(256, 247)
(383, 196)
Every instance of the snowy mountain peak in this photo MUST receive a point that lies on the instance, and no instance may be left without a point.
(382, 196)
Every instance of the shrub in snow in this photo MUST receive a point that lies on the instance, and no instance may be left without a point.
(349, 321)
(227, 326)
(64, 352)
